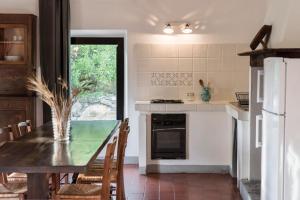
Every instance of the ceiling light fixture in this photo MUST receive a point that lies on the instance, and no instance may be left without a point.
(187, 29)
(168, 29)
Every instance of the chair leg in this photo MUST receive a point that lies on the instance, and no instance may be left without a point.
(123, 189)
(120, 188)
(55, 182)
(118, 191)
(74, 177)
(21, 197)
(66, 179)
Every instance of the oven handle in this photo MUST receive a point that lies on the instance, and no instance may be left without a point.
(167, 129)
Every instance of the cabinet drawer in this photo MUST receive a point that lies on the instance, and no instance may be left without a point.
(16, 109)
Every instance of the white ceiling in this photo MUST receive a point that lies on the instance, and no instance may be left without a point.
(234, 20)
(212, 16)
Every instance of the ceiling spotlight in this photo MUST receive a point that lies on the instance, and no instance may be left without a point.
(168, 29)
(187, 29)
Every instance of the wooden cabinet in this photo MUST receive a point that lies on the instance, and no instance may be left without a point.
(17, 61)
(16, 109)
(17, 52)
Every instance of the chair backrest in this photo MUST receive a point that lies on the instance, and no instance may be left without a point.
(108, 160)
(123, 126)
(24, 127)
(126, 121)
(121, 153)
(3, 178)
(5, 136)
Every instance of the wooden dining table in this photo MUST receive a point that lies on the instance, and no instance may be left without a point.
(37, 154)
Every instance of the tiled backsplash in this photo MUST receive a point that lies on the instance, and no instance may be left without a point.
(172, 71)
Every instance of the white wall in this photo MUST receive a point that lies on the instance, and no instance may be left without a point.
(228, 21)
(284, 17)
(170, 71)
(222, 21)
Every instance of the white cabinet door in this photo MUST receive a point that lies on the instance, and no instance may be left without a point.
(243, 149)
(274, 85)
(254, 109)
(292, 133)
(272, 157)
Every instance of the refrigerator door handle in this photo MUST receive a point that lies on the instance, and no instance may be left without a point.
(260, 82)
(258, 142)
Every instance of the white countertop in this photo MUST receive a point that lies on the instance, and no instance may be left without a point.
(190, 102)
(187, 106)
(234, 110)
(195, 106)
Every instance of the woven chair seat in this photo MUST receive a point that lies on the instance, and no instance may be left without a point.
(95, 176)
(10, 196)
(99, 164)
(17, 177)
(79, 191)
(11, 189)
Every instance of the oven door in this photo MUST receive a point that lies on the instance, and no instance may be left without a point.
(168, 143)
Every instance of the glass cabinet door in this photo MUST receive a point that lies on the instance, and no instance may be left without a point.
(13, 44)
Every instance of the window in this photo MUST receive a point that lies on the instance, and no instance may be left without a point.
(100, 60)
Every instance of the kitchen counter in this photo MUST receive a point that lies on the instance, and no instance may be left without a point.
(187, 106)
(207, 125)
(237, 112)
(240, 129)
(232, 108)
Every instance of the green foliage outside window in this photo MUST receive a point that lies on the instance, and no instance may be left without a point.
(96, 63)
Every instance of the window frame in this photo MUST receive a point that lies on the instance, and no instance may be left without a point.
(119, 41)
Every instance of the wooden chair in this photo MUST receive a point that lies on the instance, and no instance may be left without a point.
(10, 190)
(95, 172)
(24, 127)
(6, 135)
(99, 163)
(19, 130)
(91, 191)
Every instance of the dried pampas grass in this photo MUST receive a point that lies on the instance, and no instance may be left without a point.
(60, 101)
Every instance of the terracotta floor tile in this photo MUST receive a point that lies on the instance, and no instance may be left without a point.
(179, 186)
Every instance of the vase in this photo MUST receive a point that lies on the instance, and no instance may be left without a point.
(206, 94)
(61, 127)
(61, 153)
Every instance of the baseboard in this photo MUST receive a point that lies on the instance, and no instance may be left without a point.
(232, 173)
(244, 194)
(142, 170)
(131, 160)
(218, 169)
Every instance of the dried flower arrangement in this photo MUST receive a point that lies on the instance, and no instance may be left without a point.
(60, 102)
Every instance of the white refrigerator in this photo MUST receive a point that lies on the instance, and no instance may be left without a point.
(280, 130)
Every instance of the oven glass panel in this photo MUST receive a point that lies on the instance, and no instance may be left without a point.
(168, 136)
(168, 140)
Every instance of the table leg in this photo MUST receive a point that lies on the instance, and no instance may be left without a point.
(38, 186)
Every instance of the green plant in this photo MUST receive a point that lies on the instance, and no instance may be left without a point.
(206, 91)
(96, 63)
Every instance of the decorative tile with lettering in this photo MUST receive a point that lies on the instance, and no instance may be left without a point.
(171, 79)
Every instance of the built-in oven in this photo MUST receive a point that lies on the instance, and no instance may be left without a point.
(168, 136)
